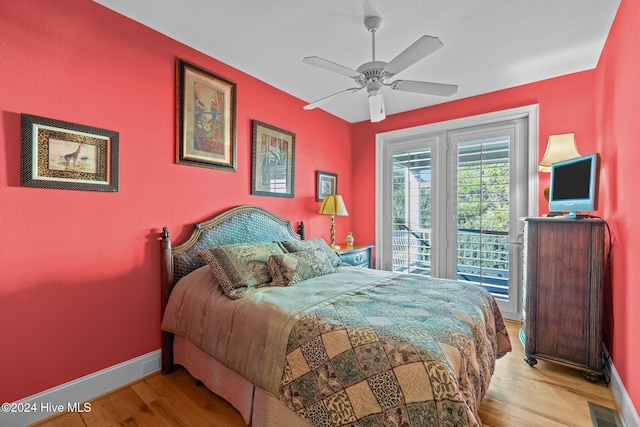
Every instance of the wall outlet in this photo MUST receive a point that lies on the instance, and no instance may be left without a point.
(150, 366)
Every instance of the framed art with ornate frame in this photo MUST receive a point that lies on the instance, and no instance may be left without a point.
(206, 118)
(273, 161)
(327, 183)
(64, 155)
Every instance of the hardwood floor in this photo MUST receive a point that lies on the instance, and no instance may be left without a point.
(547, 395)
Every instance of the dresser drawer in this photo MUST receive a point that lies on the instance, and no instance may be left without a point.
(356, 256)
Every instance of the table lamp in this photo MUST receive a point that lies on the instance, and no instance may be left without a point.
(559, 148)
(333, 205)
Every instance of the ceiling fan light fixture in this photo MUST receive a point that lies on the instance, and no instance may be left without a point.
(376, 108)
(374, 88)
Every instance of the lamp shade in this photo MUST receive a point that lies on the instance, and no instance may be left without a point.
(333, 205)
(559, 148)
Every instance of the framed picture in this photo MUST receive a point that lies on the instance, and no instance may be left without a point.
(206, 118)
(273, 164)
(327, 183)
(57, 154)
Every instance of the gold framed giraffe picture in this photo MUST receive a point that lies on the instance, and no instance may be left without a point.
(69, 156)
(205, 118)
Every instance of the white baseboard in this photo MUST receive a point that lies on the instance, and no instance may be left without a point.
(73, 396)
(629, 413)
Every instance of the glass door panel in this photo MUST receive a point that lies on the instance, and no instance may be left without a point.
(411, 209)
(482, 194)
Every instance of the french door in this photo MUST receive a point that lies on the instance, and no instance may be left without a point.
(449, 204)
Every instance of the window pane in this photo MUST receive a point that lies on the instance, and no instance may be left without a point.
(411, 189)
(483, 213)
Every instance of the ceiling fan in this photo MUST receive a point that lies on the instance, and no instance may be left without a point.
(374, 75)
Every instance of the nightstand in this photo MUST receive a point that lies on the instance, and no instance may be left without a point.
(356, 255)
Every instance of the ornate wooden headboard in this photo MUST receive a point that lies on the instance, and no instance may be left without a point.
(242, 224)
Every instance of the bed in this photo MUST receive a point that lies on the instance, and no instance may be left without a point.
(294, 337)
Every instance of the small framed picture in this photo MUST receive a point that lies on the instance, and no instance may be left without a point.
(327, 183)
(64, 155)
(206, 118)
(273, 161)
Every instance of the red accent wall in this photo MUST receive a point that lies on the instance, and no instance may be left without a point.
(618, 134)
(80, 275)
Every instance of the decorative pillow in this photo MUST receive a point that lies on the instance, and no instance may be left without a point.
(292, 268)
(312, 244)
(240, 267)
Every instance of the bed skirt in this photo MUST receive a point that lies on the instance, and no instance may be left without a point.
(255, 405)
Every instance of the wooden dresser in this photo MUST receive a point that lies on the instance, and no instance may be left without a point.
(563, 281)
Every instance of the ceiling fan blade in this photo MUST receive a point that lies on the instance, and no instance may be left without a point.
(326, 99)
(424, 46)
(331, 66)
(376, 108)
(440, 89)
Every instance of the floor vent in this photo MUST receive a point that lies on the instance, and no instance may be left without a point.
(601, 416)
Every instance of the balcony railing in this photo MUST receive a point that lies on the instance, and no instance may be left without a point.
(483, 257)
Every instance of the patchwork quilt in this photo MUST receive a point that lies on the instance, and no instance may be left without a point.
(403, 352)
(358, 347)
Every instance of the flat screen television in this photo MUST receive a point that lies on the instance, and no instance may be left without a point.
(574, 185)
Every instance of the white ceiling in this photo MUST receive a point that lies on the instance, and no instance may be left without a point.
(488, 44)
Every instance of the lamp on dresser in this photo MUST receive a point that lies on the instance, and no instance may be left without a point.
(333, 205)
(559, 148)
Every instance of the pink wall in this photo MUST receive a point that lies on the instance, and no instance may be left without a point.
(79, 283)
(618, 132)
